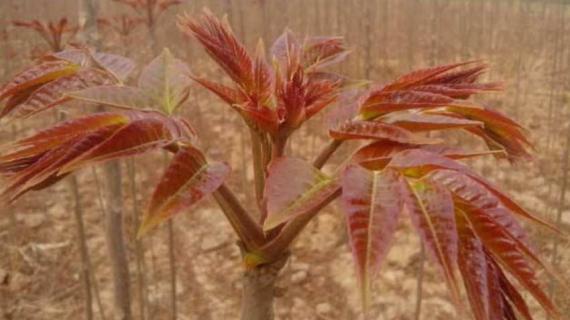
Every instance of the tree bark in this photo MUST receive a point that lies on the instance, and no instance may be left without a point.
(259, 290)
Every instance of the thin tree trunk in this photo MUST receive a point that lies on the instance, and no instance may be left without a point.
(139, 248)
(115, 240)
(420, 284)
(88, 11)
(258, 291)
(172, 262)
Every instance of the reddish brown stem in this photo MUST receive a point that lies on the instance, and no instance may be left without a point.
(246, 228)
(326, 153)
(276, 247)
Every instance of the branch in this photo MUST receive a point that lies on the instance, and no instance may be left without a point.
(326, 153)
(243, 224)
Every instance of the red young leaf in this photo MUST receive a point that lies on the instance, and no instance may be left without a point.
(417, 162)
(431, 208)
(47, 166)
(372, 203)
(118, 66)
(221, 44)
(377, 131)
(49, 138)
(294, 188)
(378, 103)
(419, 122)
(321, 52)
(513, 295)
(229, 95)
(53, 93)
(146, 131)
(421, 76)
(472, 264)
(37, 75)
(508, 253)
(459, 90)
(82, 141)
(187, 180)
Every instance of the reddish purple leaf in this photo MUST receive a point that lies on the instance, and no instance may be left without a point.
(186, 181)
(372, 203)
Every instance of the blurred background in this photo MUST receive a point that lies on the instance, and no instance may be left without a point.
(526, 44)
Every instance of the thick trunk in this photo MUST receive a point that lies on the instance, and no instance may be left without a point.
(259, 290)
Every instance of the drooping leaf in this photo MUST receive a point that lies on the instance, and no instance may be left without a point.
(166, 80)
(510, 292)
(294, 188)
(432, 212)
(472, 264)
(75, 143)
(499, 131)
(372, 202)
(47, 139)
(47, 165)
(508, 253)
(146, 131)
(187, 180)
